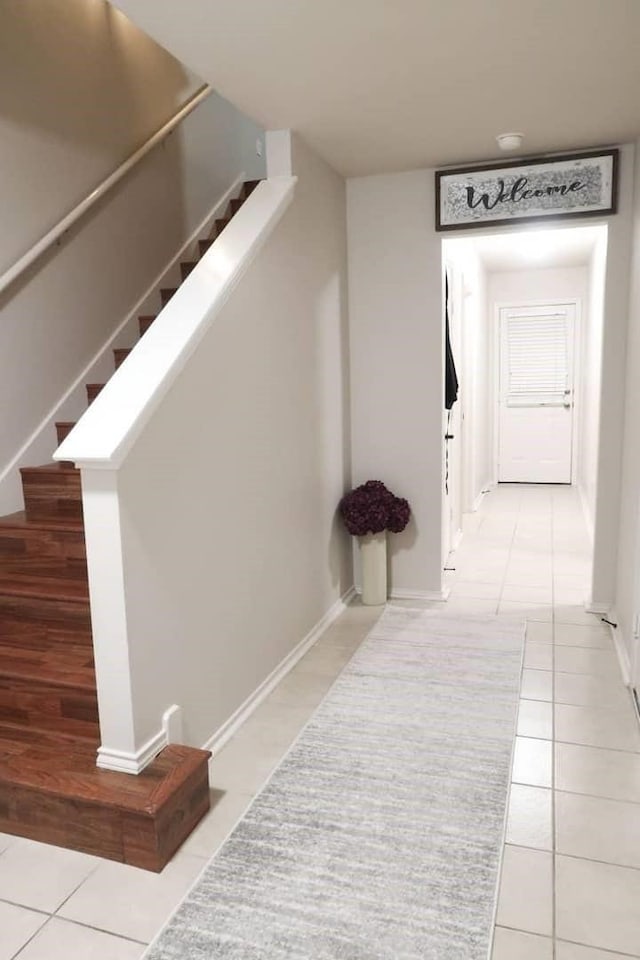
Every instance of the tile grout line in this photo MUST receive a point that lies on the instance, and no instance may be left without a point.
(75, 889)
(577, 943)
(503, 582)
(23, 906)
(577, 743)
(91, 926)
(76, 923)
(573, 856)
(31, 939)
(574, 793)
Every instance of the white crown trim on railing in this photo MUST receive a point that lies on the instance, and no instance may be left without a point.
(106, 432)
(78, 211)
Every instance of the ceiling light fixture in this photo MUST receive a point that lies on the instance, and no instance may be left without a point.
(509, 141)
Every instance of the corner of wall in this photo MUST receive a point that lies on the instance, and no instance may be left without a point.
(279, 153)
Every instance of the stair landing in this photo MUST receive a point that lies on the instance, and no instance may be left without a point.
(52, 791)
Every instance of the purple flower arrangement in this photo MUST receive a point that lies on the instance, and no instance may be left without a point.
(372, 508)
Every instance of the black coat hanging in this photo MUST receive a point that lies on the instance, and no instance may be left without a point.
(450, 375)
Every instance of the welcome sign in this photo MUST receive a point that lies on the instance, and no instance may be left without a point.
(576, 185)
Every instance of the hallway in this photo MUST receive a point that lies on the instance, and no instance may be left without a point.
(571, 870)
(571, 874)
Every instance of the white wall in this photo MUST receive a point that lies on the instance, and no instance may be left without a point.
(590, 381)
(627, 601)
(231, 547)
(611, 443)
(82, 88)
(554, 283)
(61, 311)
(396, 326)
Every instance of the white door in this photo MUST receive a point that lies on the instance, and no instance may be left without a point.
(535, 427)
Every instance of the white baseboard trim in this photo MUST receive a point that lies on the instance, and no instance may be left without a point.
(600, 609)
(620, 647)
(457, 540)
(134, 763)
(73, 402)
(605, 610)
(475, 506)
(172, 724)
(224, 733)
(437, 596)
(623, 656)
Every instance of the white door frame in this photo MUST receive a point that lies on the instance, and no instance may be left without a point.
(634, 627)
(453, 509)
(576, 303)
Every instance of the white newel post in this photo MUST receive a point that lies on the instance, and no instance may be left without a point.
(101, 508)
(373, 552)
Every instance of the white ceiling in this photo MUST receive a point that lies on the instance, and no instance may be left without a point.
(385, 85)
(534, 248)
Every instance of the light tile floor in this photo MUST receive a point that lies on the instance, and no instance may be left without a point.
(570, 886)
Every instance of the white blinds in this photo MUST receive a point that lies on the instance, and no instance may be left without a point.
(537, 359)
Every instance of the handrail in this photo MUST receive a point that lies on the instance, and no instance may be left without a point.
(78, 211)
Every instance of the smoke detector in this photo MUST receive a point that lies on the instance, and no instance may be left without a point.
(509, 141)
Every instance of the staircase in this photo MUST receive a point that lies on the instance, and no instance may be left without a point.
(50, 787)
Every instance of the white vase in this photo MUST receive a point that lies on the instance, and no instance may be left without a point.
(373, 553)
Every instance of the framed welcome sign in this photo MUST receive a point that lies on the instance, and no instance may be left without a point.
(574, 185)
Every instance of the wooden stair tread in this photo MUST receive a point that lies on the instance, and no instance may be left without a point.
(67, 769)
(166, 293)
(20, 521)
(39, 634)
(144, 322)
(55, 468)
(15, 740)
(93, 389)
(186, 267)
(120, 354)
(52, 489)
(59, 664)
(25, 584)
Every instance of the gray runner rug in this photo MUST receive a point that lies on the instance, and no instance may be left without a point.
(379, 835)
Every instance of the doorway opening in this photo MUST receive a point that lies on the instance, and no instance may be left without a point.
(525, 312)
